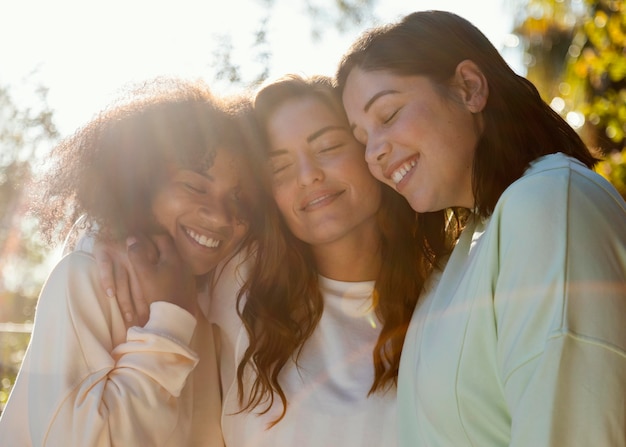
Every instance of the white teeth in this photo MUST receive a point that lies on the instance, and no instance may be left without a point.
(203, 240)
(399, 174)
(319, 199)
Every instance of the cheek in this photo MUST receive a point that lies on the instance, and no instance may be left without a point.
(365, 178)
(241, 231)
(167, 220)
(166, 208)
(374, 194)
(282, 199)
(161, 209)
(377, 171)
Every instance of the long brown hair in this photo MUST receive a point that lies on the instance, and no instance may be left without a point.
(519, 126)
(283, 303)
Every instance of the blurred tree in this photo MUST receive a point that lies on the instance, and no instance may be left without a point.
(24, 133)
(576, 55)
(326, 16)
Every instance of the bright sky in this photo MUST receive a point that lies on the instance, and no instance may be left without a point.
(85, 50)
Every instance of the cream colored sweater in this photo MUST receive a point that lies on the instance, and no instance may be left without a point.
(88, 382)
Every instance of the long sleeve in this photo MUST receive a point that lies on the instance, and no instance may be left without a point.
(561, 314)
(86, 381)
(521, 341)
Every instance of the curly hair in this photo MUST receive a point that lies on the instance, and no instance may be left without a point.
(110, 169)
(283, 303)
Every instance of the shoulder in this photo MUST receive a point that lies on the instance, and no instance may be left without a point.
(74, 284)
(556, 184)
(75, 268)
(72, 266)
(72, 305)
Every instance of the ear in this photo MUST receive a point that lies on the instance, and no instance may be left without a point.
(473, 85)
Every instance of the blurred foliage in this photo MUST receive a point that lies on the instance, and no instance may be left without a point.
(24, 133)
(613, 168)
(576, 55)
(326, 16)
(12, 349)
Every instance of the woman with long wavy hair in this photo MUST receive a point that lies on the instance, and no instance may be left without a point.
(312, 318)
(327, 303)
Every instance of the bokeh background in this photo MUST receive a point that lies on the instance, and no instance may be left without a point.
(62, 60)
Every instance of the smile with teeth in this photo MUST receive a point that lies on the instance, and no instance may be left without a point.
(203, 240)
(403, 170)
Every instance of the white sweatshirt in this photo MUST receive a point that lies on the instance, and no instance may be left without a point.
(328, 402)
(88, 382)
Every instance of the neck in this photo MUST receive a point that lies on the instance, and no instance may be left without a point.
(350, 259)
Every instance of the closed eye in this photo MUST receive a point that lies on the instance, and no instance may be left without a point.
(330, 148)
(194, 188)
(391, 117)
(280, 168)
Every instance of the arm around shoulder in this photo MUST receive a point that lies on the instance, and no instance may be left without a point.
(93, 385)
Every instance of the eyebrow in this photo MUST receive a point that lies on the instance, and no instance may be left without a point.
(373, 99)
(207, 176)
(203, 174)
(277, 153)
(322, 131)
(369, 103)
(309, 139)
(184, 170)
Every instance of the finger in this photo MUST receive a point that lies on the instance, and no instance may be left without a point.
(142, 307)
(149, 255)
(143, 311)
(165, 246)
(124, 296)
(150, 248)
(105, 269)
(138, 257)
(141, 252)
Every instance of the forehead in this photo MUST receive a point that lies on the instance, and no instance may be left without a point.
(227, 167)
(232, 170)
(362, 86)
(300, 119)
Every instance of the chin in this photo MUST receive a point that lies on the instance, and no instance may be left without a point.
(419, 206)
(200, 268)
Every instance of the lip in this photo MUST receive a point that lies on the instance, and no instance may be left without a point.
(208, 240)
(319, 199)
(400, 172)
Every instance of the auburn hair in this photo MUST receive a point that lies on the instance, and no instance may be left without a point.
(283, 303)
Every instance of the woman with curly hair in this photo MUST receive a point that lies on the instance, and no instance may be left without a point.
(169, 162)
(309, 352)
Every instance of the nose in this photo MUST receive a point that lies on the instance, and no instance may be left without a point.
(214, 214)
(376, 150)
(309, 171)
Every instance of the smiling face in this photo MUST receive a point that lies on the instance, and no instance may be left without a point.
(204, 213)
(321, 182)
(417, 141)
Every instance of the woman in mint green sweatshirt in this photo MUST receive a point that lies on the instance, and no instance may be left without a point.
(521, 339)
